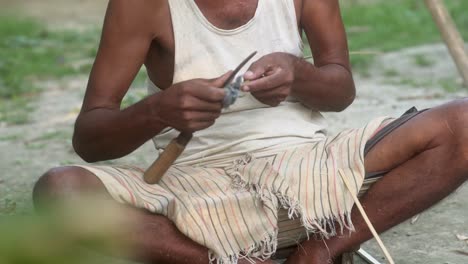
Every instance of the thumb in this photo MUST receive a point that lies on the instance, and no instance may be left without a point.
(255, 71)
(219, 81)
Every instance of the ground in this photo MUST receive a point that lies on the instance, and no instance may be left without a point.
(423, 76)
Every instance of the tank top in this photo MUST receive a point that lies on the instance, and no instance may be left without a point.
(203, 50)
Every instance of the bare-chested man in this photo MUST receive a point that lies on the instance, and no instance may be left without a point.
(425, 158)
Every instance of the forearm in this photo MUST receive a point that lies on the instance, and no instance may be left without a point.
(326, 88)
(103, 134)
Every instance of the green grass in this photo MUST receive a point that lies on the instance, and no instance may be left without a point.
(423, 61)
(136, 91)
(12, 137)
(50, 136)
(15, 110)
(391, 25)
(30, 53)
(449, 85)
(391, 73)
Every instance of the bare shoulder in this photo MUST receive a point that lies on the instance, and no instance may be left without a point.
(143, 16)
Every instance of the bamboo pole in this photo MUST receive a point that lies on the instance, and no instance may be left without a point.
(451, 36)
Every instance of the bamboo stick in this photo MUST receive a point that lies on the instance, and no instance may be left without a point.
(366, 218)
(451, 36)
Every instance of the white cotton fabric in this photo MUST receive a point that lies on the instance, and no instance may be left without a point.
(240, 183)
(204, 51)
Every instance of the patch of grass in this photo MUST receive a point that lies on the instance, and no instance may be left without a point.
(140, 79)
(408, 82)
(132, 97)
(8, 207)
(15, 110)
(449, 85)
(12, 137)
(362, 63)
(391, 25)
(136, 91)
(29, 52)
(36, 146)
(423, 61)
(52, 136)
(391, 73)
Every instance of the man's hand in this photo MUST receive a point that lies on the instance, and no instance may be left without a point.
(192, 105)
(270, 79)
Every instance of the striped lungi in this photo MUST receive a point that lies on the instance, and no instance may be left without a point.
(262, 201)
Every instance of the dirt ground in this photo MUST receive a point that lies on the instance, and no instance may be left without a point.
(29, 150)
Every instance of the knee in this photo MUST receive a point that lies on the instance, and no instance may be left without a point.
(456, 122)
(56, 184)
(456, 130)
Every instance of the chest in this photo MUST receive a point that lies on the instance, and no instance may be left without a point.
(228, 14)
(223, 14)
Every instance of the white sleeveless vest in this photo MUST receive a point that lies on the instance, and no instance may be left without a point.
(204, 51)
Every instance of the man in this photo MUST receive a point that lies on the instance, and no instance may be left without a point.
(181, 41)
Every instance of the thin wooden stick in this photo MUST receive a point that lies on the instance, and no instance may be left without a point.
(366, 218)
(450, 35)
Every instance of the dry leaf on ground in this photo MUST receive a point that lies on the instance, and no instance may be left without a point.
(462, 237)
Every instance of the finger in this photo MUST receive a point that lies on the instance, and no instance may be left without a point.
(257, 70)
(269, 101)
(196, 104)
(219, 81)
(270, 97)
(195, 116)
(197, 126)
(272, 79)
(267, 95)
(209, 93)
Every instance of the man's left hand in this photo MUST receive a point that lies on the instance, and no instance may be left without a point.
(270, 79)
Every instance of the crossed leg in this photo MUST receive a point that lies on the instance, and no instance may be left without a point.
(152, 238)
(427, 158)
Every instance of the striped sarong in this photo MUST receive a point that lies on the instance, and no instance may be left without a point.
(261, 202)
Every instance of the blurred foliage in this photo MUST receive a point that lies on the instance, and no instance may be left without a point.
(65, 235)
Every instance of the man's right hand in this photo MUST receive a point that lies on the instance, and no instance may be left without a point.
(191, 105)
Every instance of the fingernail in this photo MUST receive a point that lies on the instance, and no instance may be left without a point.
(245, 88)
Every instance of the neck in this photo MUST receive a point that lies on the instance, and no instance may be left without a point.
(228, 14)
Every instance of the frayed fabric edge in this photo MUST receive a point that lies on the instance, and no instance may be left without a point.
(323, 228)
(262, 250)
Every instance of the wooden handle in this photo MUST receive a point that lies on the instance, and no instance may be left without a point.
(157, 170)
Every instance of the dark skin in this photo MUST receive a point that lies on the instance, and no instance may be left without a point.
(141, 33)
(425, 164)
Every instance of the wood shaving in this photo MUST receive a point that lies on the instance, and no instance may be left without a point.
(415, 219)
